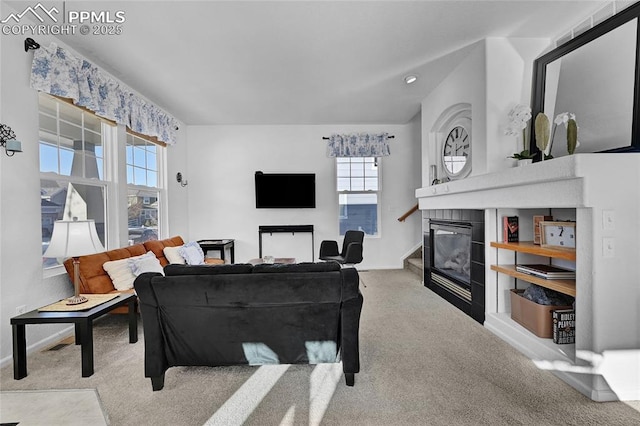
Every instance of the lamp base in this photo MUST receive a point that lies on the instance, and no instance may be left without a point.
(76, 300)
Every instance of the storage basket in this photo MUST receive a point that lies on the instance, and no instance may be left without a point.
(532, 316)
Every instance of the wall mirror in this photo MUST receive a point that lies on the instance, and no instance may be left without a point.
(595, 76)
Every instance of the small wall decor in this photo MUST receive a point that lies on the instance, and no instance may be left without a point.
(453, 149)
(183, 182)
(8, 141)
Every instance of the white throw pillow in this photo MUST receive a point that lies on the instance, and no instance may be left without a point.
(147, 263)
(120, 273)
(173, 255)
(192, 253)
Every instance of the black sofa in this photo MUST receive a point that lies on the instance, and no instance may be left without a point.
(216, 315)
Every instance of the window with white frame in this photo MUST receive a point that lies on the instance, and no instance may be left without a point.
(358, 188)
(72, 151)
(143, 185)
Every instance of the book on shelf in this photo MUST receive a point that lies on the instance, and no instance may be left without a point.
(510, 229)
(564, 326)
(546, 271)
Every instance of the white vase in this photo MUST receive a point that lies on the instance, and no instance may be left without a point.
(525, 161)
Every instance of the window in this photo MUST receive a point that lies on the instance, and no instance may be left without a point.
(142, 162)
(142, 190)
(71, 141)
(78, 148)
(72, 152)
(358, 189)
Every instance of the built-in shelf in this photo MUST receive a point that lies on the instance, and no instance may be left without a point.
(537, 348)
(563, 286)
(589, 183)
(531, 248)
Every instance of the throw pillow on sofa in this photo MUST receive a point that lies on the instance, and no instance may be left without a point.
(192, 253)
(120, 272)
(173, 255)
(146, 263)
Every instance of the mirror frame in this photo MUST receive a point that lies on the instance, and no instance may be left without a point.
(540, 74)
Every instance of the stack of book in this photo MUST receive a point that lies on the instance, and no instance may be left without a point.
(547, 271)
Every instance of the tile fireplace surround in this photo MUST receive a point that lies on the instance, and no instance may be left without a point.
(604, 363)
(464, 291)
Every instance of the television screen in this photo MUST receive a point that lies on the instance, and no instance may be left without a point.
(285, 190)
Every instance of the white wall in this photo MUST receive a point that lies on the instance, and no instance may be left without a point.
(495, 76)
(465, 84)
(175, 222)
(509, 64)
(221, 165)
(22, 282)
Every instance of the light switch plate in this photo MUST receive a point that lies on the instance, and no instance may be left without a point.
(608, 247)
(608, 220)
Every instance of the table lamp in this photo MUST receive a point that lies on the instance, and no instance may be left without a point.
(74, 238)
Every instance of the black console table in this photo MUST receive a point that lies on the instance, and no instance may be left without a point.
(271, 229)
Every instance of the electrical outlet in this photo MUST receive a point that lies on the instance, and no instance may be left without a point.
(21, 309)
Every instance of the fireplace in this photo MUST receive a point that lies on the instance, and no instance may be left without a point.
(454, 258)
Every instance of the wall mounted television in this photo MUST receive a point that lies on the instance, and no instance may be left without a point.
(285, 190)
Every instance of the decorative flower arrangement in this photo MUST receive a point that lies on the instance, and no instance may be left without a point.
(569, 121)
(518, 118)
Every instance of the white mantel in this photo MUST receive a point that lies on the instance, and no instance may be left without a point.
(560, 182)
(608, 288)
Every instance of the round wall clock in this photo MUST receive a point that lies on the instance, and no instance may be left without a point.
(456, 150)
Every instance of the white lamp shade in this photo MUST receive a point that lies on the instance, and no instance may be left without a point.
(73, 238)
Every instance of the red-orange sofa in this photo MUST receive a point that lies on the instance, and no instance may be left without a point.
(93, 277)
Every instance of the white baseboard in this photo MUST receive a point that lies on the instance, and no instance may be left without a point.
(601, 386)
(411, 251)
(44, 343)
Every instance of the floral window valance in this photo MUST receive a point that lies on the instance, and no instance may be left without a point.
(58, 72)
(359, 145)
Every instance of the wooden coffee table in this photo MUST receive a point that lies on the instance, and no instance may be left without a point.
(83, 321)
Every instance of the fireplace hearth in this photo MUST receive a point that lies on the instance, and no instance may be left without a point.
(454, 258)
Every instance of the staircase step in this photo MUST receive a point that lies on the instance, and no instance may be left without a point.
(415, 265)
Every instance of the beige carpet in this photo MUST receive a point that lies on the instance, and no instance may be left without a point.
(423, 363)
(70, 407)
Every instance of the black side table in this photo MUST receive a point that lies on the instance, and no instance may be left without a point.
(220, 245)
(83, 321)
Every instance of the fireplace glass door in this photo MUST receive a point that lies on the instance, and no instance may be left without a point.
(451, 256)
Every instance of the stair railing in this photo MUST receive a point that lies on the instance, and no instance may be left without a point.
(409, 212)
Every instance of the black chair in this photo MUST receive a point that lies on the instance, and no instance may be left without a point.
(351, 249)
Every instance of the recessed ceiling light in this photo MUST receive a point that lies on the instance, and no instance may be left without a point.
(410, 79)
